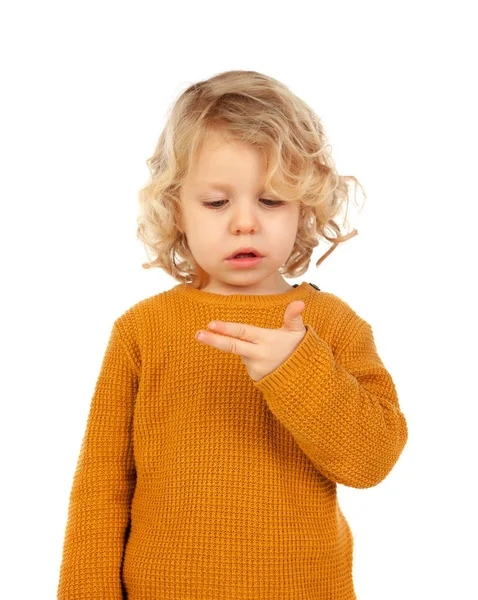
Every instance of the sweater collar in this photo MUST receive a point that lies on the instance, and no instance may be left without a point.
(301, 292)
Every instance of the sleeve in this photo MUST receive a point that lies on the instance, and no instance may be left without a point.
(103, 484)
(342, 410)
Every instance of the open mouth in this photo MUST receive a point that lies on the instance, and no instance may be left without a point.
(245, 260)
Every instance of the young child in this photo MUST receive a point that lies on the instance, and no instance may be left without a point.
(209, 466)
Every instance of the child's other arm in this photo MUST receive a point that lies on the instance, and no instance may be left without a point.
(103, 484)
(342, 409)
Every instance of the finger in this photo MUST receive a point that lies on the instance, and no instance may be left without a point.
(241, 331)
(227, 344)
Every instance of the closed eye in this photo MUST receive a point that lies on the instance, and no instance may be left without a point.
(274, 202)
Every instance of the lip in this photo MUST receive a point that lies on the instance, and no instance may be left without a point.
(245, 250)
(244, 262)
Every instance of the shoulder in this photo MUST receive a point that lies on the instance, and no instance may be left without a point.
(336, 318)
(143, 309)
(136, 322)
(338, 305)
(333, 303)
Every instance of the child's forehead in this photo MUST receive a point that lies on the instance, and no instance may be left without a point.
(216, 165)
(221, 163)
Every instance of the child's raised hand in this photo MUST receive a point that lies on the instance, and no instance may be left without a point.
(261, 350)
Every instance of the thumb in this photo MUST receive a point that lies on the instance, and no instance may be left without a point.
(292, 317)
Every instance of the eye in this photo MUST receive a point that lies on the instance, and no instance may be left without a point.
(274, 202)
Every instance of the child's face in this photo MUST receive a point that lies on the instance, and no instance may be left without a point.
(239, 218)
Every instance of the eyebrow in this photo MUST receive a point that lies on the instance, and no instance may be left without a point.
(217, 185)
(220, 186)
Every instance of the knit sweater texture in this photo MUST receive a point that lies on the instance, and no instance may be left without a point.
(195, 482)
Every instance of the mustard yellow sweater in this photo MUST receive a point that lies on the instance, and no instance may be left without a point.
(196, 482)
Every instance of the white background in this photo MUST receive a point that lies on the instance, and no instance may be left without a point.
(85, 90)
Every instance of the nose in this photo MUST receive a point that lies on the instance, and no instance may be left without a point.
(244, 218)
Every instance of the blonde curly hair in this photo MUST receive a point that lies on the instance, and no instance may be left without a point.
(261, 111)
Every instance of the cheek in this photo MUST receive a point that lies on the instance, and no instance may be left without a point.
(289, 224)
(198, 227)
